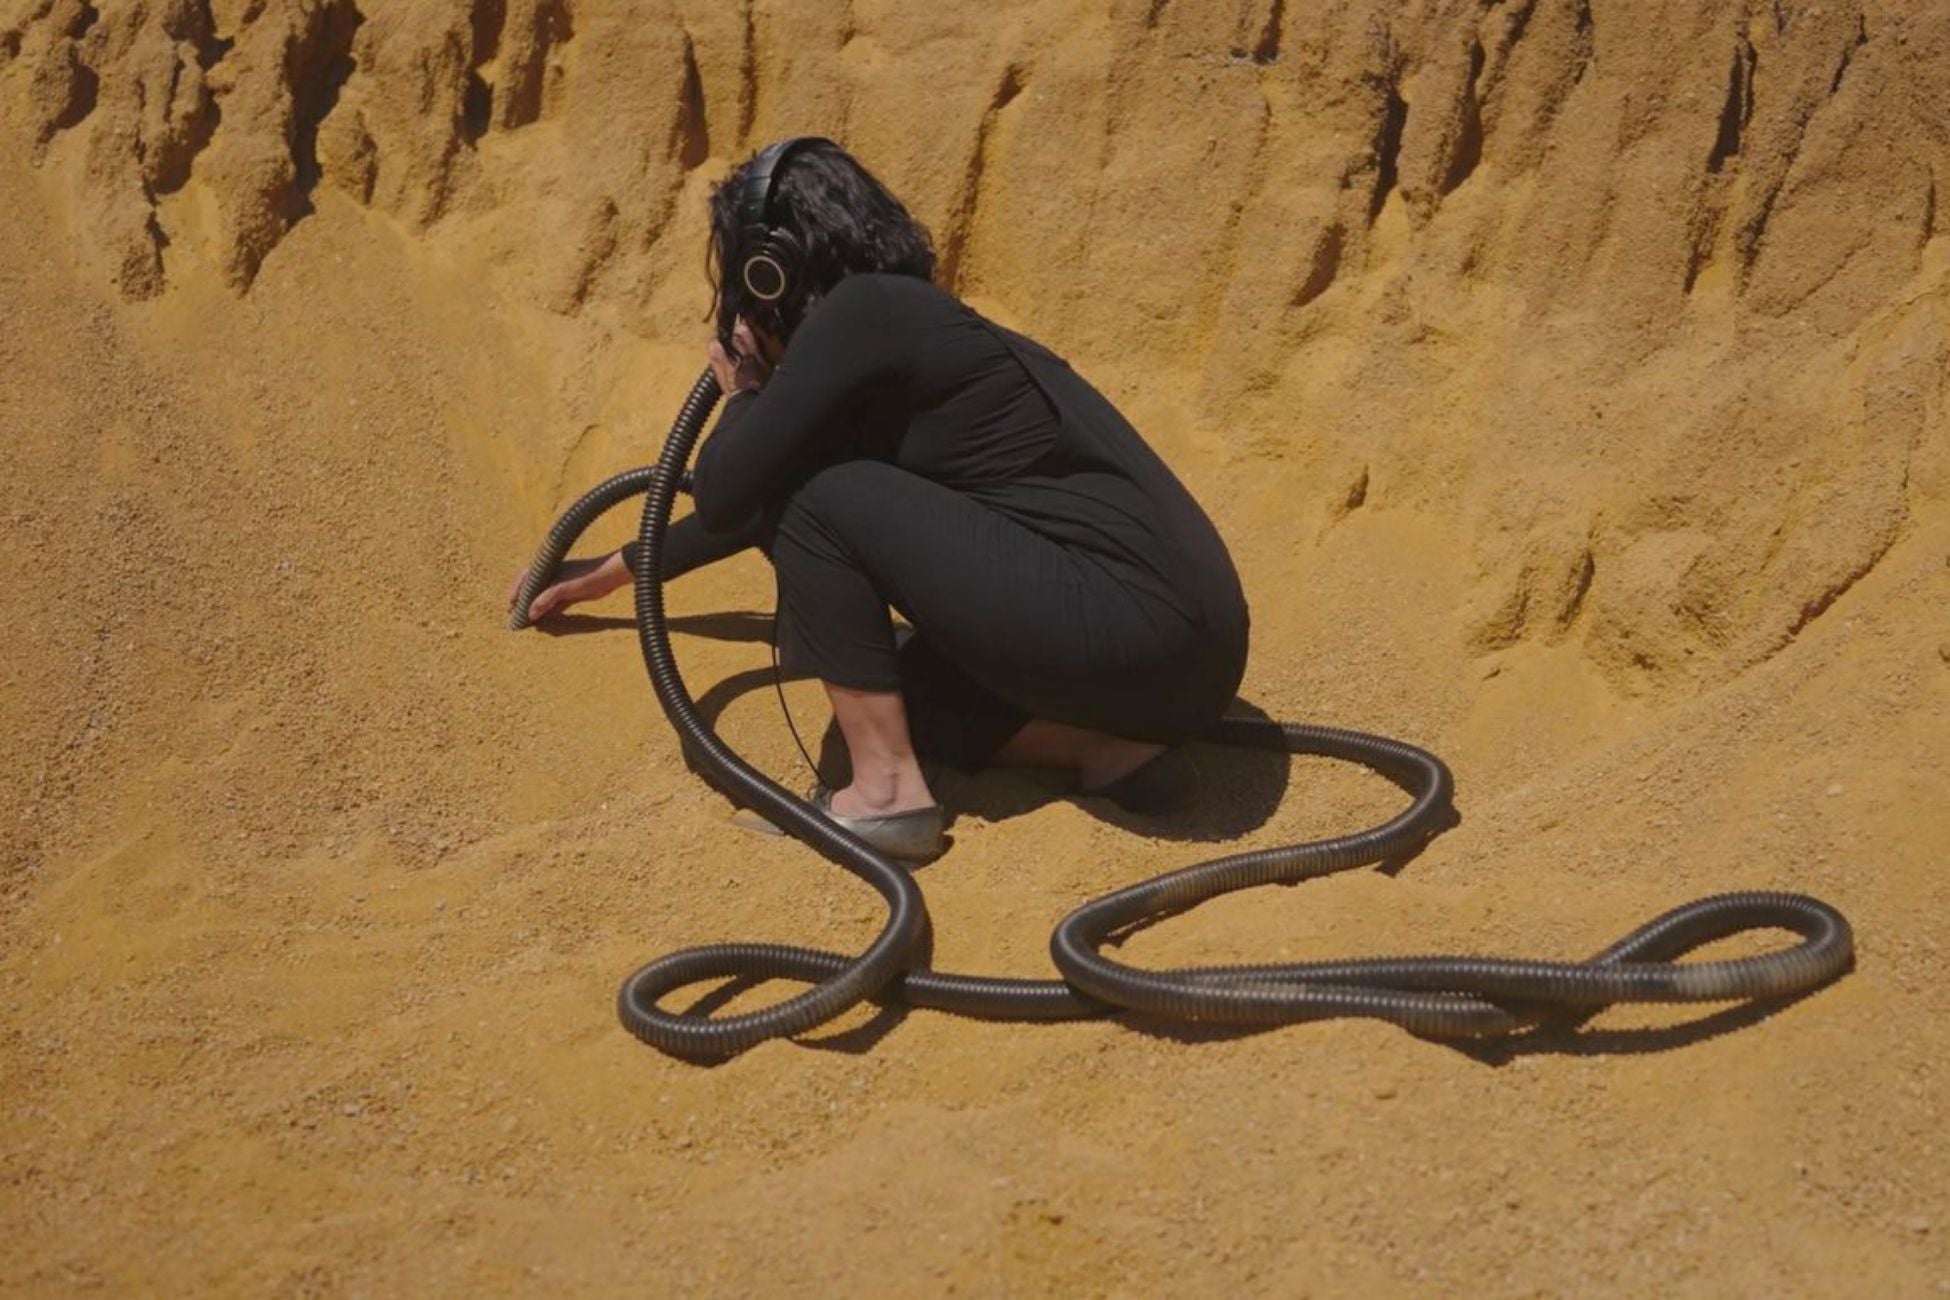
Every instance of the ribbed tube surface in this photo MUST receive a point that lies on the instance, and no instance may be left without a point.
(1451, 996)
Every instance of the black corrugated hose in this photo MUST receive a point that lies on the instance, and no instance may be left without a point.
(1442, 997)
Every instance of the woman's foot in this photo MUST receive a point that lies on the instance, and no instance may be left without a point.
(1106, 759)
(887, 777)
(886, 798)
(1164, 783)
(911, 835)
(1138, 775)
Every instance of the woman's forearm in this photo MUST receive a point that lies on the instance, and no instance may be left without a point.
(764, 440)
(689, 545)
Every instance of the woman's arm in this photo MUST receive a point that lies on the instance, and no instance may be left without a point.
(844, 345)
(689, 545)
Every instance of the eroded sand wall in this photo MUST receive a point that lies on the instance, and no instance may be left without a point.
(1666, 250)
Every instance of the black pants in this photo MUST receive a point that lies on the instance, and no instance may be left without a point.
(1009, 625)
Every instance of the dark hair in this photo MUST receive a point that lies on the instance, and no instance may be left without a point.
(843, 218)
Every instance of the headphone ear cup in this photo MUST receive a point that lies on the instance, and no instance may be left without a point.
(770, 269)
(766, 279)
(771, 272)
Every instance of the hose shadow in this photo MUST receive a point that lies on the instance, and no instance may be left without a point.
(1190, 1032)
(580, 624)
(730, 625)
(1568, 1036)
(1242, 788)
(719, 695)
(1564, 1036)
(861, 1038)
(743, 625)
(1396, 863)
(857, 1040)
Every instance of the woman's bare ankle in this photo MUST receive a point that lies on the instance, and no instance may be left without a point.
(882, 793)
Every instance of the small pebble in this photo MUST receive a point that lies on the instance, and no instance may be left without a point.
(1385, 1092)
(1834, 790)
(350, 1109)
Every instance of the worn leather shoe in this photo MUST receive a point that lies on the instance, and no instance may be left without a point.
(917, 835)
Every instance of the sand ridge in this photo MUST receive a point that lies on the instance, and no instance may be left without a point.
(1568, 377)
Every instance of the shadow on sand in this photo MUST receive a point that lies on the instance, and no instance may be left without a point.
(1240, 791)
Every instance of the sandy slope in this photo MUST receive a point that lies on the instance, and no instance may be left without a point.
(1568, 377)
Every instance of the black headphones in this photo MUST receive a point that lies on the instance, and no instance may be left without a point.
(768, 255)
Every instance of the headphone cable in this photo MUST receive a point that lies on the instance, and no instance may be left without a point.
(778, 685)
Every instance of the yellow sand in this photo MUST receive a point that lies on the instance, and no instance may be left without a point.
(1568, 377)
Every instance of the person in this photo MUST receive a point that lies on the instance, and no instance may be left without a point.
(886, 445)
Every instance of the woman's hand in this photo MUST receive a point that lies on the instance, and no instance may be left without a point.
(579, 580)
(744, 373)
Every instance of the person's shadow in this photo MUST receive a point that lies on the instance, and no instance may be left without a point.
(1239, 789)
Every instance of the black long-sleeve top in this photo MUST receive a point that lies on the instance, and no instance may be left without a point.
(892, 368)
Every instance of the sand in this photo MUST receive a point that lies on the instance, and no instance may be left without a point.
(1568, 376)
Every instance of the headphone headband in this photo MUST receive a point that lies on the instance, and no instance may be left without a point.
(755, 199)
(764, 268)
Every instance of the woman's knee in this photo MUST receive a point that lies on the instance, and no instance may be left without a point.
(835, 504)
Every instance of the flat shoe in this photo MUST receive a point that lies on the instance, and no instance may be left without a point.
(917, 835)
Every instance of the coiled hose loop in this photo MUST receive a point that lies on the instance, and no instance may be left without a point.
(1443, 997)
(575, 521)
